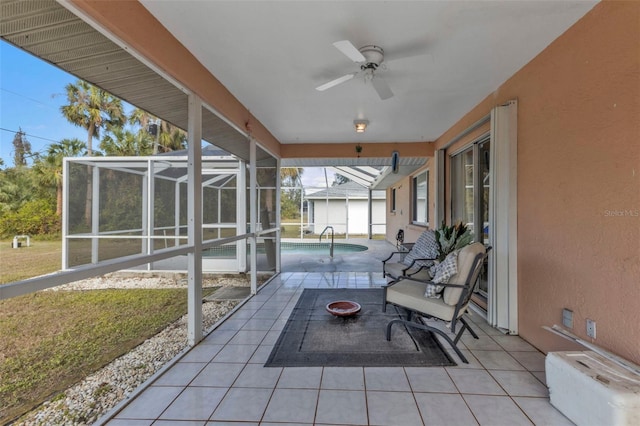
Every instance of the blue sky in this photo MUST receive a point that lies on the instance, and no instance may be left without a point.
(31, 94)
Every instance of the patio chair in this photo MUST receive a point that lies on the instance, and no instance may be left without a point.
(422, 254)
(449, 305)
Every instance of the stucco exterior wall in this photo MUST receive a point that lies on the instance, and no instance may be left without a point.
(579, 180)
(402, 217)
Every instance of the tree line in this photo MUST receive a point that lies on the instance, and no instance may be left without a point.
(31, 194)
(31, 190)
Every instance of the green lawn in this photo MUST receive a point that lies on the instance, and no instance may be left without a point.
(51, 340)
(41, 258)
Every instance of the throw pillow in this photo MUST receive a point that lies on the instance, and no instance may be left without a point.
(441, 273)
(425, 247)
(428, 248)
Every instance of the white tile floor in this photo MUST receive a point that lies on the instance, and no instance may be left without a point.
(222, 381)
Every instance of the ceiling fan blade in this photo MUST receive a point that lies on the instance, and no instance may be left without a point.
(335, 82)
(381, 87)
(346, 47)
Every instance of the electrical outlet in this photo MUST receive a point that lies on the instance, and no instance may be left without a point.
(591, 328)
(567, 318)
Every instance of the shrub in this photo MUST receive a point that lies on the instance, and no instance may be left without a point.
(36, 217)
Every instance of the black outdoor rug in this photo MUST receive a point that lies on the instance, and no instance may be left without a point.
(314, 337)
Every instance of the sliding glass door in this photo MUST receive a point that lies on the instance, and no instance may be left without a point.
(470, 185)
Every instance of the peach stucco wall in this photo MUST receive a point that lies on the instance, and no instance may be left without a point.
(579, 180)
(401, 218)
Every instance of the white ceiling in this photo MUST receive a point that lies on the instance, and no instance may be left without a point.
(443, 57)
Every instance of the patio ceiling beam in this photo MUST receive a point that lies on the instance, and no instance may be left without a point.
(347, 150)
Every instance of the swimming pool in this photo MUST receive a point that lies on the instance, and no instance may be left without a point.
(291, 248)
(319, 248)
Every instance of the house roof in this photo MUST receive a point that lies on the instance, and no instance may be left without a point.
(350, 189)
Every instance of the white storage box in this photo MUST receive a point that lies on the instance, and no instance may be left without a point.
(592, 390)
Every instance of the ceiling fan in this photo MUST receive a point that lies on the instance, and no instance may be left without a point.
(369, 57)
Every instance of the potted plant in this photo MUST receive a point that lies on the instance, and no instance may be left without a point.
(451, 238)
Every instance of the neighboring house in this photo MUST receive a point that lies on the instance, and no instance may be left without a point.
(345, 207)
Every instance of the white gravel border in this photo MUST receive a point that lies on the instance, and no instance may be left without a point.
(87, 401)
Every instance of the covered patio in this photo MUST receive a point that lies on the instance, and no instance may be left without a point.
(517, 118)
(222, 380)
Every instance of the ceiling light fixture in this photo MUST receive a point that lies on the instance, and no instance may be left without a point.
(361, 125)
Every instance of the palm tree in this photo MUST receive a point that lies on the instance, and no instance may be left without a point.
(291, 192)
(123, 142)
(172, 138)
(169, 137)
(49, 166)
(290, 175)
(266, 178)
(92, 109)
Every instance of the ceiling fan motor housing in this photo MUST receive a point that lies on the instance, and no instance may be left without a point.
(374, 56)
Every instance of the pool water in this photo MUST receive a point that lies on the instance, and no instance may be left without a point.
(319, 248)
(289, 248)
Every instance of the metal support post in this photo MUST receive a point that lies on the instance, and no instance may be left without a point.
(150, 209)
(278, 218)
(241, 215)
(194, 222)
(253, 215)
(370, 212)
(95, 215)
(65, 215)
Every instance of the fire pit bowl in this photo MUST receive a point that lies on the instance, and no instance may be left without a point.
(343, 308)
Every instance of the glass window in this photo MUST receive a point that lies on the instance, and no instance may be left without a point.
(420, 198)
(470, 189)
(462, 193)
(483, 150)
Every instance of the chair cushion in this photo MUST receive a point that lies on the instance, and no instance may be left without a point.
(425, 247)
(410, 294)
(466, 257)
(442, 272)
(394, 269)
(421, 275)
